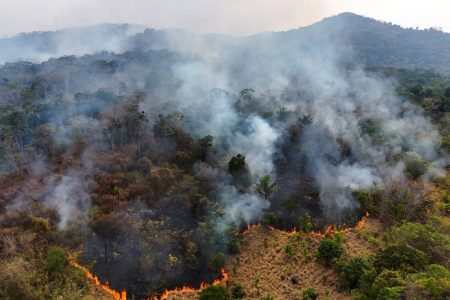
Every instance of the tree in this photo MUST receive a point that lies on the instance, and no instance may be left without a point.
(265, 188)
(351, 271)
(400, 257)
(237, 163)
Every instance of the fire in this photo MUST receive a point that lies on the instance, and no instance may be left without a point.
(96, 281)
(330, 230)
(251, 227)
(187, 289)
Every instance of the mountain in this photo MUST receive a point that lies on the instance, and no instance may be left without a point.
(354, 38)
(41, 45)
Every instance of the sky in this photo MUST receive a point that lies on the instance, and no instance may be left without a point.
(237, 17)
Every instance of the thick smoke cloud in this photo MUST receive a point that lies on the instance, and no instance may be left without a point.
(358, 124)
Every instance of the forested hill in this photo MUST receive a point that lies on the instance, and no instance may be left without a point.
(380, 43)
(360, 39)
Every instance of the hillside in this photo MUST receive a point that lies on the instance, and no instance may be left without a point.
(138, 171)
(357, 39)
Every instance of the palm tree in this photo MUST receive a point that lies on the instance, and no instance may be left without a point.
(265, 187)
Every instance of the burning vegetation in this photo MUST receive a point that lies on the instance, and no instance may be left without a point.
(151, 163)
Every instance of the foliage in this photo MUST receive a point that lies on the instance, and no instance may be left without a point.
(217, 262)
(265, 188)
(352, 270)
(56, 261)
(305, 223)
(310, 294)
(215, 292)
(434, 282)
(237, 163)
(329, 250)
(400, 257)
(238, 292)
(270, 219)
(415, 166)
(423, 237)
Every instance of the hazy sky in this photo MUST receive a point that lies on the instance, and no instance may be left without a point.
(239, 17)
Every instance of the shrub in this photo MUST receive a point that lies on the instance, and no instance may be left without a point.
(370, 200)
(329, 249)
(270, 219)
(310, 294)
(56, 261)
(289, 250)
(305, 223)
(400, 257)
(238, 292)
(237, 163)
(351, 271)
(401, 202)
(435, 282)
(425, 238)
(415, 166)
(215, 292)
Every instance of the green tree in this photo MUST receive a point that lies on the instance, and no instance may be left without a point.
(265, 188)
(351, 271)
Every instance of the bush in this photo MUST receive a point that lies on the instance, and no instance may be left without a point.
(310, 294)
(238, 292)
(270, 219)
(351, 271)
(237, 163)
(401, 202)
(215, 292)
(425, 238)
(435, 282)
(56, 261)
(329, 249)
(415, 166)
(388, 285)
(369, 200)
(400, 257)
(305, 223)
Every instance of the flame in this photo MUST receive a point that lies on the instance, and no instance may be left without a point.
(187, 289)
(330, 230)
(251, 227)
(94, 279)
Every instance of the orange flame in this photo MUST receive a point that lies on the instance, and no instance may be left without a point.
(330, 230)
(187, 289)
(94, 279)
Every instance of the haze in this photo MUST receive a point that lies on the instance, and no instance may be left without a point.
(237, 17)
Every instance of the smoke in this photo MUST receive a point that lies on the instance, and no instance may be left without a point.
(68, 195)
